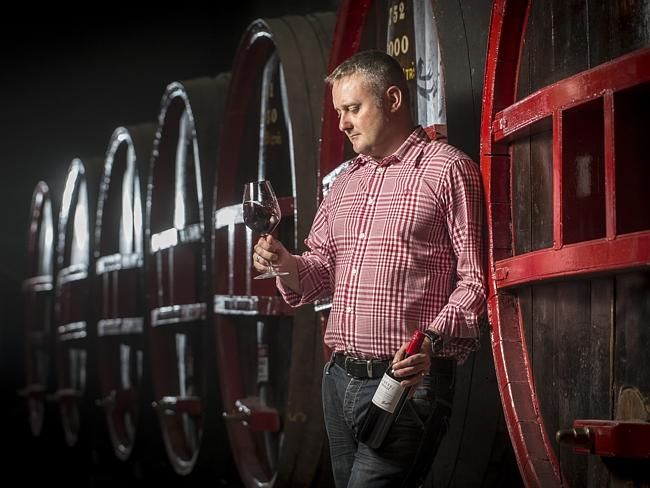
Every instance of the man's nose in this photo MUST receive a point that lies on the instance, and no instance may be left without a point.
(344, 123)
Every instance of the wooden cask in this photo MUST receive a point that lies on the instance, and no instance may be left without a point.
(122, 361)
(565, 118)
(270, 357)
(181, 343)
(38, 290)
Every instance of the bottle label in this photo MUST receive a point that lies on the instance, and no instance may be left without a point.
(388, 394)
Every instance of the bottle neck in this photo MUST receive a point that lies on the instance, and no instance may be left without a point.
(416, 343)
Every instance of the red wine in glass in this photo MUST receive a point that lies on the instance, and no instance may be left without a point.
(260, 218)
(262, 214)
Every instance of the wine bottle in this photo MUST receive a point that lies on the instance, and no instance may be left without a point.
(387, 402)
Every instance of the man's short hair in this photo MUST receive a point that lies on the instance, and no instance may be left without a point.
(378, 69)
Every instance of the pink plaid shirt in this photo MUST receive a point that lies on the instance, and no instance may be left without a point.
(397, 244)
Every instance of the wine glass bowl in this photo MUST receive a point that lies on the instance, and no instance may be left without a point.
(261, 213)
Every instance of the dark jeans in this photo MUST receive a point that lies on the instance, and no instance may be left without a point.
(345, 401)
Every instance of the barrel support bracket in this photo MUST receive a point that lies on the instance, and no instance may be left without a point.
(624, 446)
(252, 413)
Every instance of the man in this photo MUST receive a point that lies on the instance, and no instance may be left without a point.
(397, 244)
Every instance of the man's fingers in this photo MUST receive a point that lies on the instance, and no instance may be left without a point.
(258, 262)
(413, 368)
(264, 254)
(415, 359)
(399, 355)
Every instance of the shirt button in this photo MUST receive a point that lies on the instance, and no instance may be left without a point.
(362, 235)
(371, 201)
(380, 169)
(348, 309)
(353, 271)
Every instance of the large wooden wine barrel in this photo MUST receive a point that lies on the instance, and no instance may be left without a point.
(270, 357)
(441, 48)
(75, 342)
(565, 122)
(181, 343)
(122, 362)
(38, 291)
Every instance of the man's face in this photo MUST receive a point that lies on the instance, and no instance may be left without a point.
(365, 124)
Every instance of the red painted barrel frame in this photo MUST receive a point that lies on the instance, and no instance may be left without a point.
(503, 118)
(37, 289)
(302, 65)
(73, 334)
(119, 293)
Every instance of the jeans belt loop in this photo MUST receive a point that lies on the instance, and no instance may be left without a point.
(369, 368)
(347, 371)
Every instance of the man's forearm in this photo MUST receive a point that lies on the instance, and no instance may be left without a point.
(291, 280)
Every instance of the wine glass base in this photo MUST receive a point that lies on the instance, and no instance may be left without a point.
(270, 274)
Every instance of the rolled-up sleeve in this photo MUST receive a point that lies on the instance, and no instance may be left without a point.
(462, 201)
(315, 266)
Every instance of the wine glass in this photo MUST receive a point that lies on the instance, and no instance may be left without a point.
(262, 214)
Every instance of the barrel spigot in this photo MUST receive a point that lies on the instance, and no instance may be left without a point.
(254, 414)
(577, 436)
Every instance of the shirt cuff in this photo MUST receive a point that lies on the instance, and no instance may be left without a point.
(460, 329)
(289, 296)
(452, 321)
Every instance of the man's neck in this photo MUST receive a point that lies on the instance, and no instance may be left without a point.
(399, 137)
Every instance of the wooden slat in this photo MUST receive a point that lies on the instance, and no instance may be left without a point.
(600, 379)
(632, 334)
(573, 367)
(540, 190)
(521, 186)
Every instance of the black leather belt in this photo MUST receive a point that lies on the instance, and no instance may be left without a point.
(361, 368)
(375, 368)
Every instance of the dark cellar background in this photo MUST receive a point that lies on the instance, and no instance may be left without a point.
(68, 79)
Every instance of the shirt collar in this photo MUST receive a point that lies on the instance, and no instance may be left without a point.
(408, 152)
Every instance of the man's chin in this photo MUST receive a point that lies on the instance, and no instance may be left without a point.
(357, 147)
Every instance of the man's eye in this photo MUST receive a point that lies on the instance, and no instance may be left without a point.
(354, 109)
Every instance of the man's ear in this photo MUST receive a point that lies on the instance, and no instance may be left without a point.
(394, 95)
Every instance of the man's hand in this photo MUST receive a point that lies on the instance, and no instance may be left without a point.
(269, 250)
(417, 364)
(266, 252)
